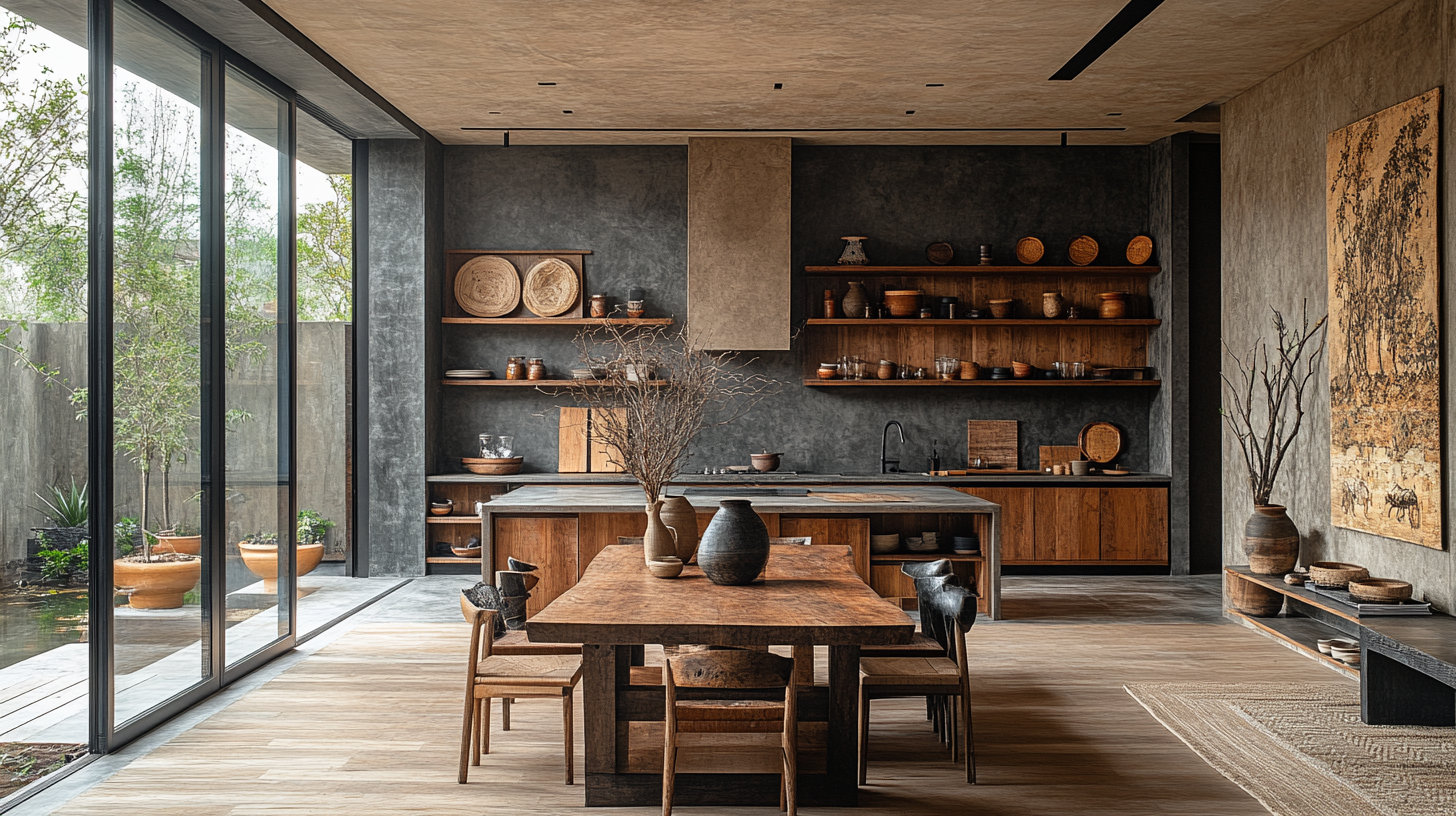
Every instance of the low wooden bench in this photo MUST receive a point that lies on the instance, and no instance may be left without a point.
(1407, 668)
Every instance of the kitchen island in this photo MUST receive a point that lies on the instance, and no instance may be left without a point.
(562, 528)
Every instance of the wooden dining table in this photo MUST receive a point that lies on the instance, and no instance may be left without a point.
(807, 596)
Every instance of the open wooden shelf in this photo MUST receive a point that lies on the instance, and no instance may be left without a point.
(539, 383)
(852, 271)
(1300, 633)
(817, 383)
(559, 321)
(450, 559)
(900, 558)
(931, 323)
(452, 519)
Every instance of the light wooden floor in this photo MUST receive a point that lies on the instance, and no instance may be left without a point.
(370, 725)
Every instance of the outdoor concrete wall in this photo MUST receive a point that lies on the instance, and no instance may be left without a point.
(1274, 255)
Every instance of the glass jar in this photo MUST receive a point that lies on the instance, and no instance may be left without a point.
(515, 368)
(599, 306)
(535, 369)
(505, 446)
(886, 370)
(487, 446)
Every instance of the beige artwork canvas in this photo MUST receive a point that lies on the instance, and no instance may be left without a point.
(1385, 376)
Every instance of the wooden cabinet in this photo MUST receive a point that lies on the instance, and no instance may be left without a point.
(549, 542)
(1018, 534)
(851, 532)
(1134, 524)
(1067, 524)
(1080, 525)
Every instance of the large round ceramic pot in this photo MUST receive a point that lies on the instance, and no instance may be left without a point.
(1252, 599)
(734, 548)
(1271, 541)
(678, 513)
(156, 584)
(187, 545)
(262, 561)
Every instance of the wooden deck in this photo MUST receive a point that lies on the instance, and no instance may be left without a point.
(370, 724)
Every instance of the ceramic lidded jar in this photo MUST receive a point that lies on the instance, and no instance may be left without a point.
(1051, 304)
(855, 300)
(734, 548)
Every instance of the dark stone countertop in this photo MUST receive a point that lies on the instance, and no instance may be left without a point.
(988, 478)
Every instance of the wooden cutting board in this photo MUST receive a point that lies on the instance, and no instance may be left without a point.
(571, 441)
(998, 441)
(601, 460)
(1057, 454)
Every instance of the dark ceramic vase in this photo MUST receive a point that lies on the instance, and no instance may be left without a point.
(1271, 541)
(734, 548)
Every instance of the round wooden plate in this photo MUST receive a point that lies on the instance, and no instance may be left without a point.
(939, 253)
(488, 286)
(1029, 250)
(551, 287)
(1100, 442)
(1139, 250)
(1083, 250)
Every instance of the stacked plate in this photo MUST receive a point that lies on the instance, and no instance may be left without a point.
(582, 374)
(1000, 373)
(470, 374)
(966, 545)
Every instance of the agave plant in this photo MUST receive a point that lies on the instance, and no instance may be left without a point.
(67, 508)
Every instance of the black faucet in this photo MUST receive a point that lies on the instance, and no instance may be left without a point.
(890, 465)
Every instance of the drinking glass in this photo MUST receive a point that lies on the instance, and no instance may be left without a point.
(487, 448)
(1079, 371)
(505, 447)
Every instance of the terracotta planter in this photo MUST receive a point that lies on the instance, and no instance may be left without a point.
(678, 514)
(187, 545)
(262, 561)
(157, 584)
(1271, 541)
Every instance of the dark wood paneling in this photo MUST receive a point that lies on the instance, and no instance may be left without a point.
(1018, 513)
(1067, 527)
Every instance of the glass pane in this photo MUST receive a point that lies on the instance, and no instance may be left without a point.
(325, 339)
(43, 447)
(258, 312)
(159, 555)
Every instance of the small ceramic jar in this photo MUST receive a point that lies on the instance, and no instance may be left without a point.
(516, 368)
(926, 313)
(970, 370)
(598, 305)
(886, 370)
(1113, 306)
(535, 369)
(1051, 305)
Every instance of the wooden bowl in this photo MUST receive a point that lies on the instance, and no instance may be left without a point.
(1380, 590)
(1021, 371)
(465, 552)
(493, 467)
(1001, 308)
(441, 508)
(903, 302)
(1336, 573)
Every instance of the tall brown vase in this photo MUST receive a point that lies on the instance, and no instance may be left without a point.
(678, 513)
(1271, 541)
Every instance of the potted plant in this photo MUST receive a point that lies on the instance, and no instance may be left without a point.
(665, 390)
(260, 556)
(67, 511)
(1264, 408)
(182, 538)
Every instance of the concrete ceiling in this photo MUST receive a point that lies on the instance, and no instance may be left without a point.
(856, 65)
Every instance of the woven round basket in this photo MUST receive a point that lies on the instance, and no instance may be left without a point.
(1139, 250)
(488, 286)
(1029, 250)
(1082, 251)
(1100, 442)
(551, 287)
(939, 253)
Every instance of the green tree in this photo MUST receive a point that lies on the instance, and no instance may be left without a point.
(325, 255)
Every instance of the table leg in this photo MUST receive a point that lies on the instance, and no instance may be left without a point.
(842, 758)
(1392, 693)
(605, 670)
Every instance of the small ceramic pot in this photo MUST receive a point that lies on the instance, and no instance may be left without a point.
(970, 370)
(886, 370)
(1001, 309)
(855, 300)
(828, 371)
(1051, 304)
(1113, 306)
(765, 462)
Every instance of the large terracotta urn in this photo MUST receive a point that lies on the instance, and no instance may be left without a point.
(678, 514)
(156, 584)
(262, 561)
(1271, 541)
(734, 549)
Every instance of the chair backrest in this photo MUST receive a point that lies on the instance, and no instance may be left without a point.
(805, 540)
(731, 670)
(928, 576)
(952, 608)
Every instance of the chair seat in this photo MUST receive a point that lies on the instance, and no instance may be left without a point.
(921, 645)
(515, 643)
(529, 670)
(905, 671)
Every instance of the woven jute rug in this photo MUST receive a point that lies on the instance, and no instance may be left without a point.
(1301, 750)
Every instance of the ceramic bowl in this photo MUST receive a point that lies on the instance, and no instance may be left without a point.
(882, 544)
(466, 552)
(1021, 370)
(765, 462)
(1326, 644)
(1001, 308)
(1350, 656)
(965, 544)
(667, 567)
(442, 508)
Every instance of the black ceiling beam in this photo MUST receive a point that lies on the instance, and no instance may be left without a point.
(1132, 14)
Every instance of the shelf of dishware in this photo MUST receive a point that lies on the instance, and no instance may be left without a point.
(853, 270)
(541, 383)
(817, 383)
(560, 321)
(990, 322)
(900, 558)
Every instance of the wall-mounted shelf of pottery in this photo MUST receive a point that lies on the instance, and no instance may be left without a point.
(849, 271)
(558, 321)
(914, 323)
(453, 520)
(817, 383)
(540, 383)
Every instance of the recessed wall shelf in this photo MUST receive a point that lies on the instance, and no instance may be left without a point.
(915, 323)
(559, 321)
(979, 383)
(851, 271)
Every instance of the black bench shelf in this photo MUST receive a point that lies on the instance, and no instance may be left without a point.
(1407, 665)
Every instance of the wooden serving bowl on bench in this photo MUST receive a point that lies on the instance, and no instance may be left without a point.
(1380, 590)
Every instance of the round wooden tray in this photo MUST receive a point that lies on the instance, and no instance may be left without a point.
(493, 467)
(488, 286)
(939, 253)
(1082, 251)
(1139, 250)
(1029, 250)
(551, 287)
(1100, 442)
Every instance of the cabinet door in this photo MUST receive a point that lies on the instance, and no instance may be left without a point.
(1135, 524)
(597, 531)
(549, 542)
(1017, 520)
(846, 532)
(1067, 527)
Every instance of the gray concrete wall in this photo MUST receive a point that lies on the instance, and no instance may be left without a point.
(1168, 346)
(1274, 254)
(628, 205)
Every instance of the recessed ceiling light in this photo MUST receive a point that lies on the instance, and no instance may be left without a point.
(1114, 114)
(545, 83)
(566, 111)
(907, 113)
(935, 84)
(778, 86)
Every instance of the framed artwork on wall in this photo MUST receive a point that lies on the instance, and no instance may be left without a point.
(1385, 323)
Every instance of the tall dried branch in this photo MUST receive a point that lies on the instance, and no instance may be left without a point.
(1266, 427)
(663, 392)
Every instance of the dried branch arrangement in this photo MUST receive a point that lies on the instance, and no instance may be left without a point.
(1265, 407)
(665, 391)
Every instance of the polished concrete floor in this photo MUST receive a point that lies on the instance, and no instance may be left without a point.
(364, 719)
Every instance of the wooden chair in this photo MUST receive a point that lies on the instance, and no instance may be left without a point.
(921, 644)
(489, 675)
(514, 643)
(695, 722)
(948, 611)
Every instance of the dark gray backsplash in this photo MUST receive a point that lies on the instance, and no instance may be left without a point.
(629, 206)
